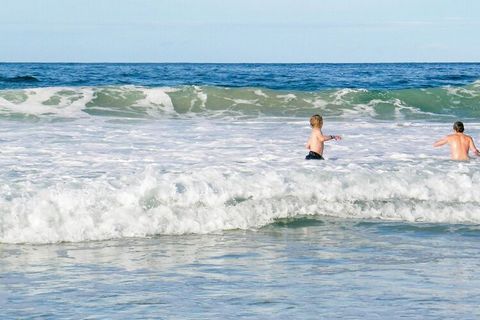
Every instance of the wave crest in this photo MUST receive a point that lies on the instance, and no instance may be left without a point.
(143, 102)
(213, 200)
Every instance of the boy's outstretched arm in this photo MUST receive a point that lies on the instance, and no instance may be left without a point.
(441, 142)
(327, 138)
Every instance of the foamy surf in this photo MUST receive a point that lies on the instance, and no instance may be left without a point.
(209, 200)
(98, 180)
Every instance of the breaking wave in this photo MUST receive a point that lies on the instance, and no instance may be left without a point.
(192, 101)
(214, 200)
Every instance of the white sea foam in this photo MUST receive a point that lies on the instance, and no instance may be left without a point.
(95, 179)
(260, 93)
(157, 97)
(244, 101)
(287, 97)
(61, 101)
(211, 200)
(75, 102)
(340, 95)
(471, 91)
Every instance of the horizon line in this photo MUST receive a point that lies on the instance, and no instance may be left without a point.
(196, 62)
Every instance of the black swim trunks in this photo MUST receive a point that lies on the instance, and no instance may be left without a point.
(313, 156)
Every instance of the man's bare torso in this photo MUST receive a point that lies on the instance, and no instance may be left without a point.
(459, 145)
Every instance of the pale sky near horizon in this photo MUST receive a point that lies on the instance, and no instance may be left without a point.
(239, 31)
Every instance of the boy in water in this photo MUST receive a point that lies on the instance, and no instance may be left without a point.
(459, 143)
(316, 140)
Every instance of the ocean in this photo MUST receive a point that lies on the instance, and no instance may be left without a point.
(180, 191)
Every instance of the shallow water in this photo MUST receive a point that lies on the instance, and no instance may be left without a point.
(304, 268)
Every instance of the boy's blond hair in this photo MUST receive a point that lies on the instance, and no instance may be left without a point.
(316, 121)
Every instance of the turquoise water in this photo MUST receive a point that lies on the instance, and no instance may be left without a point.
(434, 104)
(179, 191)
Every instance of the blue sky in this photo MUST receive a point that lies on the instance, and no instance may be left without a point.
(239, 31)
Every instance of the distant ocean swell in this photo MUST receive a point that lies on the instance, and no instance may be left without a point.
(212, 200)
(19, 79)
(443, 103)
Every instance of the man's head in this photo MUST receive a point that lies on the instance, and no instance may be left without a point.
(458, 126)
(316, 121)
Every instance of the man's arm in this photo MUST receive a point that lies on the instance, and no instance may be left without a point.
(441, 142)
(474, 149)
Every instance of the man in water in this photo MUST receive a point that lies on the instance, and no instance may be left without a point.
(316, 140)
(460, 143)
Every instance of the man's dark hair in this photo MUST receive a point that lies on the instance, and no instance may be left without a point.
(458, 126)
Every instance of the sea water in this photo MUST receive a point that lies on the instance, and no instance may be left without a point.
(181, 191)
